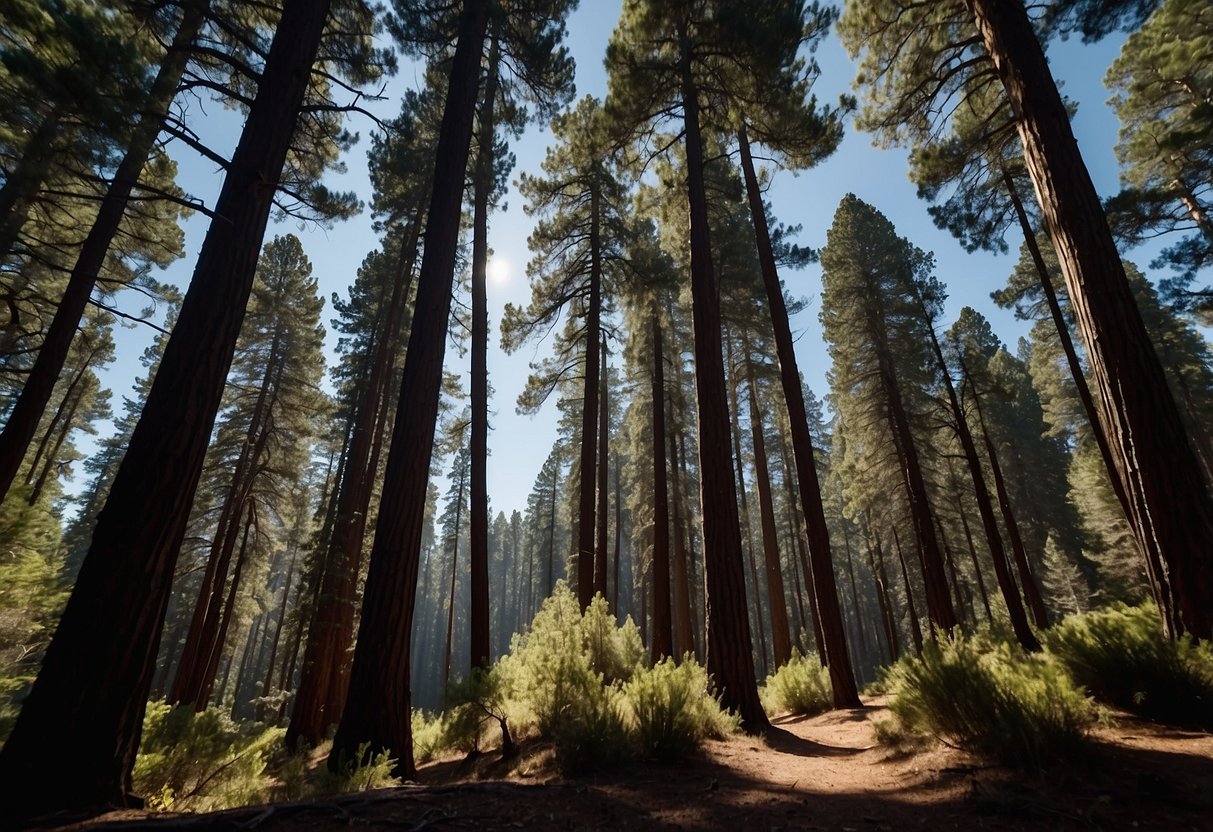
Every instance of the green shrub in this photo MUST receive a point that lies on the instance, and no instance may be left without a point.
(1022, 709)
(363, 773)
(565, 660)
(429, 736)
(1120, 655)
(800, 686)
(673, 710)
(202, 761)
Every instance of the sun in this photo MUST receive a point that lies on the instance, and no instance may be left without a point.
(498, 269)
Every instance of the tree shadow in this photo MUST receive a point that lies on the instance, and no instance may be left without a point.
(785, 742)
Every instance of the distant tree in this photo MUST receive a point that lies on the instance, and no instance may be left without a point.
(868, 307)
(261, 446)
(577, 265)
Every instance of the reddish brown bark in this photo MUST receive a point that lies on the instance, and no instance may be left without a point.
(729, 649)
(1171, 509)
(661, 640)
(781, 641)
(91, 692)
(600, 554)
(842, 676)
(478, 533)
(377, 712)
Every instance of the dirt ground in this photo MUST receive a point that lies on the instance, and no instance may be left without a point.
(826, 772)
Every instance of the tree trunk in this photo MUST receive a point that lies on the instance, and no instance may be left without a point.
(600, 554)
(210, 660)
(856, 609)
(915, 628)
(1171, 509)
(744, 518)
(1006, 583)
(450, 615)
(781, 641)
(91, 693)
(728, 628)
(880, 575)
(323, 681)
(661, 642)
(1067, 345)
(378, 708)
(589, 416)
(617, 597)
(939, 599)
(684, 629)
(20, 189)
(267, 686)
(842, 676)
(52, 353)
(1030, 590)
(478, 533)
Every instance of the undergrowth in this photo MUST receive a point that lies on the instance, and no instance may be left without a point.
(202, 761)
(801, 686)
(1121, 656)
(992, 699)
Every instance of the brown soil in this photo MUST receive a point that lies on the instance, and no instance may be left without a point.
(821, 773)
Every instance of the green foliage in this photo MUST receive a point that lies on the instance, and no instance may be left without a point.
(801, 686)
(363, 773)
(582, 680)
(1021, 709)
(557, 668)
(1120, 655)
(673, 710)
(202, 761)
(31, 596)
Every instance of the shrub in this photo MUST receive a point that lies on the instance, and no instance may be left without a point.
(1120, 655)
(1021, 709)
(565, 659)
(800, 686)
(362, 773)
(672, 709)
(202, 761)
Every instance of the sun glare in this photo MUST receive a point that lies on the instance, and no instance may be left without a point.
(498, 270)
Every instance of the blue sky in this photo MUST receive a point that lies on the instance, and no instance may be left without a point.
(519, 444)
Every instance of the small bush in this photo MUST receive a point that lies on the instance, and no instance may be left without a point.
(363, 773)
(801, 686)
(1023, 710)
(673, 710)
(202, 761)
(591, 733)
(1122, 658)
(429, 736)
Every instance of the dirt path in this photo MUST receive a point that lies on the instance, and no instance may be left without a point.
(822, 773)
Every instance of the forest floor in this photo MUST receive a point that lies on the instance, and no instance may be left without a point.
(823, 773)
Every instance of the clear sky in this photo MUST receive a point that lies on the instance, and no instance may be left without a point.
(519, 444)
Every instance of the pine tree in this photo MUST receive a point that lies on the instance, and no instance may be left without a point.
(90, 694)
(867, 307)
(577, 265)
(262, 439)
(1161, 85)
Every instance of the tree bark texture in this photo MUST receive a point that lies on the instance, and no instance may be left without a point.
(92, 689)
(661, 643)
(842, 676)
(478, 534)
(1171, 509)
(728, 629)
(378, 705)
